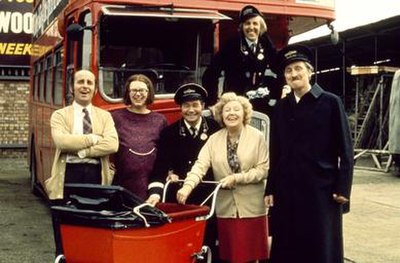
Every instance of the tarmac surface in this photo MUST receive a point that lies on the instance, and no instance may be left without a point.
(371, 229)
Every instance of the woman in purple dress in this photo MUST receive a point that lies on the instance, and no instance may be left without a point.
(138, 130)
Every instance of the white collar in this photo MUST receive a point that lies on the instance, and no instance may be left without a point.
(188, 125)
(78, 107)
(249, 42)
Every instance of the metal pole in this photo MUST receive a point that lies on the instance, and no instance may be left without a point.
(316, 65)
(380, 112)
(356, 111)
(344, 73)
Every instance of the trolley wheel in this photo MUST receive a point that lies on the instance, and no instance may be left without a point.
(204, 255)
(60, 259)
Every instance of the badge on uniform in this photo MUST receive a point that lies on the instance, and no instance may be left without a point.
(203, 137)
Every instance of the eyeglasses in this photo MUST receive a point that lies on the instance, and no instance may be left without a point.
(141, 91)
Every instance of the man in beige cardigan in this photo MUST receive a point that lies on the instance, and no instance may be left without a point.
(84, 136)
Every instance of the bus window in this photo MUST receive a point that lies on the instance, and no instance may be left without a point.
(57, 82)
(36, 81)
(48, 77)
(144, 49)
(41, 81)
(85, 48)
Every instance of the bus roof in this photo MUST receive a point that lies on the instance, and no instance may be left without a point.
(301, 15)
(304, 14)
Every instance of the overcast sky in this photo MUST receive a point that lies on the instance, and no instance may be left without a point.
(353, 13)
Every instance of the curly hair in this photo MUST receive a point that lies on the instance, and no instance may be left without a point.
(228, 97)
(142, 78)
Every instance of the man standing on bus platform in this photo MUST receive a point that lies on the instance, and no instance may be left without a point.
(246, 64)
(84, 136)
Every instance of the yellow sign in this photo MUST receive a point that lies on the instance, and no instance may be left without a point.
(16, 28)
(15, 49)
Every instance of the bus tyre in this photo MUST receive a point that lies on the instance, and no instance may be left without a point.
(34, 186)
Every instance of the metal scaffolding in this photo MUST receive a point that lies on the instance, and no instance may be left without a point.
(370, 130)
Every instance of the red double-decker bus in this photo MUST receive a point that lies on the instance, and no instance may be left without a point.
(171, 41)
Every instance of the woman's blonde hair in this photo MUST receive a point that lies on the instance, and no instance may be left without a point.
(228, 97)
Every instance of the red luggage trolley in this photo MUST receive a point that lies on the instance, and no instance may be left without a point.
(106, 228)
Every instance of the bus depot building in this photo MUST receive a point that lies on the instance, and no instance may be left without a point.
(16, 24)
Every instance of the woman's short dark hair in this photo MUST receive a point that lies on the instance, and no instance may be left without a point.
(142, 78)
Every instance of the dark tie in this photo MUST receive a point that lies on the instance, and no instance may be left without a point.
(87, 124)
(253, 47)
(193, 131)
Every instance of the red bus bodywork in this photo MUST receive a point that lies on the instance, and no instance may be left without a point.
(203, 25)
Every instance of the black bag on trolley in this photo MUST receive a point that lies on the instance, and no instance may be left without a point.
(110, 207)
(101, 206)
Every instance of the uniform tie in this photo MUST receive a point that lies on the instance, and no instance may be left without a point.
(253, 47)
(87, 123)
(193, 131)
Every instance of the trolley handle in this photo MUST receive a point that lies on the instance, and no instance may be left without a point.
(136, 210)
(213, 194)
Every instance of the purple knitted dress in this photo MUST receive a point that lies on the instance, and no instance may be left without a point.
(138, 136)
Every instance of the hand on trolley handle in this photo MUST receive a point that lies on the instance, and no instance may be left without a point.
(154, 199)
(183, 194)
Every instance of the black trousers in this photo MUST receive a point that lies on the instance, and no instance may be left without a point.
(82, 173)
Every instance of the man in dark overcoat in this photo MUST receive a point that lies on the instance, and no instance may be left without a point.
(311, 167)
(179, 145)
(245, 63)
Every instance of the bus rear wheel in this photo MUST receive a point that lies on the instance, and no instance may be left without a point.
(33, 174)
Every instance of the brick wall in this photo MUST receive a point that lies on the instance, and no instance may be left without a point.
(13, 118)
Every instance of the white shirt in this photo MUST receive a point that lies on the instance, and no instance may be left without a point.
(78, 117)
(197, 127)
(250, 43)
(78, 129)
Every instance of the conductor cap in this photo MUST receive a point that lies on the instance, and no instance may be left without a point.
(190, 92)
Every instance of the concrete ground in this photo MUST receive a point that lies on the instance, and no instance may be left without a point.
(371, 229)
(26, 233)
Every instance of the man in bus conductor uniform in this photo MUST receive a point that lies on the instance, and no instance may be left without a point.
(311, 168)
(179, 145)
(84, 136)
(180, 142)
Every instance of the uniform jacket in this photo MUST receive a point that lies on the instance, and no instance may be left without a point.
(311, 158)
(61, 131)
(178, 151)
(245, 200)
(243, 69)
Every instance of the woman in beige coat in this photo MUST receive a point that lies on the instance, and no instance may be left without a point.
(238, 156)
